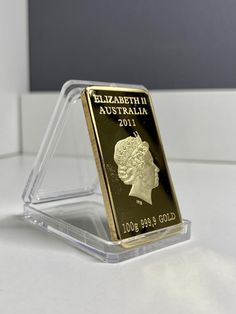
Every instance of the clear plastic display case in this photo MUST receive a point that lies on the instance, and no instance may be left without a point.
(63, 195)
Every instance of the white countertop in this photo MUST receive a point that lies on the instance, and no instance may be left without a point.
(41, 274)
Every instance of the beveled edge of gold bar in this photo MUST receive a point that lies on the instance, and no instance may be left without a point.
(96, 147)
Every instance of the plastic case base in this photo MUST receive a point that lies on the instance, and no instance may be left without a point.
(82, 226)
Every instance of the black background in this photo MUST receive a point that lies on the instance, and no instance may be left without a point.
(161, 44)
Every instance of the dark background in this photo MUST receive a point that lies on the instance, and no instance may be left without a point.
(164, 44)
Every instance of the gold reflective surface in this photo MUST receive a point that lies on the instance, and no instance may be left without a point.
(134, 177)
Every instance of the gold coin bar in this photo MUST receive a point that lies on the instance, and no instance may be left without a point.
(135, 181)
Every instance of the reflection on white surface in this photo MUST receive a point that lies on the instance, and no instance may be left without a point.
(40, 274)
(199, 280)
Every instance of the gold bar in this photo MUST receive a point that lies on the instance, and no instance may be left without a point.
(136, 185)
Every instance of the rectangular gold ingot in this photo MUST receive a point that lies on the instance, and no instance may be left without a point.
(138, 193)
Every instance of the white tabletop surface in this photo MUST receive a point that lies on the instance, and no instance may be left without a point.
(41, 274)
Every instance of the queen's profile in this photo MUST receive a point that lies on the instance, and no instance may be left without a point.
(136, 167)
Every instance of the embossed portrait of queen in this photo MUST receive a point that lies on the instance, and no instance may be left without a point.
(136, 167)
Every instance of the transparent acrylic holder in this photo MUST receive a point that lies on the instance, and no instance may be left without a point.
(63, 194)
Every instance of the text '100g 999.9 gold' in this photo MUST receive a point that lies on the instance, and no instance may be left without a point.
(134, 177)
